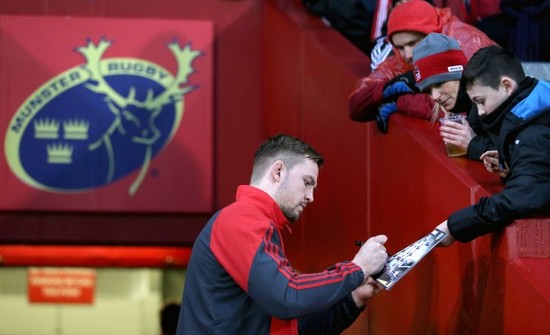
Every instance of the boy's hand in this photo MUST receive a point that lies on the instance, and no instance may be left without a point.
(447, 240)
(490, 160)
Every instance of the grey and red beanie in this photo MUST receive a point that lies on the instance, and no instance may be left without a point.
(437, 59)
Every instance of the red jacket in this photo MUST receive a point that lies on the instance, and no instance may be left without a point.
(367, 97)
(240, 282)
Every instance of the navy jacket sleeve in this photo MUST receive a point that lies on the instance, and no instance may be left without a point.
(479, 145)
(527, 190)
(254, 258)
(331, 321)
(286, 294)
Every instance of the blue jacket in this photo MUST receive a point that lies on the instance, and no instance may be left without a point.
(240, 282)
(520, 127)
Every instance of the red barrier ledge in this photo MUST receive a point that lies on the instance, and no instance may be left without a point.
(94, 256)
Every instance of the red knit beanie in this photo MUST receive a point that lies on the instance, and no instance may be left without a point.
(415, 15)
(437, 59)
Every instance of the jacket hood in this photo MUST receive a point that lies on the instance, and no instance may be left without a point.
(535, 104)
(419, 16)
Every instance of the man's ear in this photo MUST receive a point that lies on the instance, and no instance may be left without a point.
(277, 170)
(509, 84)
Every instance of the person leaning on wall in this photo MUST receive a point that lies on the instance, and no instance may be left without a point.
(239, 280)
(391, 87)
(438, 63)
(382, 48)
(515, 111)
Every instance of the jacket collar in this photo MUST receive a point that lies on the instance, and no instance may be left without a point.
(264, 202)
(536, 104)
(493, 121)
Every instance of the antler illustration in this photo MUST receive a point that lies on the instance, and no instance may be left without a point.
(93, 54)
(174, 92)
(184, 57)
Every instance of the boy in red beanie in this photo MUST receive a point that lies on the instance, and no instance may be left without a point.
(391, 86)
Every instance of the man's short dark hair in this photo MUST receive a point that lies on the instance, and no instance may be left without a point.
(287, 148)
(489, 64)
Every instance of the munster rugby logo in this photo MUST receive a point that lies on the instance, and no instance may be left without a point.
(99, 122)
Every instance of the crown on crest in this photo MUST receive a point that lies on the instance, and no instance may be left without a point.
(59, 153)
(46, 129)
(76, 129)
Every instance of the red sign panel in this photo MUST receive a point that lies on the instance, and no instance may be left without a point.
(111, 115)
(61, 285)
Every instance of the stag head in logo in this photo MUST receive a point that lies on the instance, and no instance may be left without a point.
(134, 119)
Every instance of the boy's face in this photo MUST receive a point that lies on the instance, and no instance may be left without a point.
(486, 98)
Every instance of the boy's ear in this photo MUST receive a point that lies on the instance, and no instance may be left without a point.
(509, 84)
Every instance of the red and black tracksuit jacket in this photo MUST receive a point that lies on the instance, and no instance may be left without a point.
(240, 282)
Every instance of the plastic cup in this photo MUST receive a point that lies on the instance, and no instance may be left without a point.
(453, 150)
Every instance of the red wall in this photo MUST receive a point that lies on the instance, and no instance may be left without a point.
(401, 184)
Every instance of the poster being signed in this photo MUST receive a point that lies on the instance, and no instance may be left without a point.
(403, 261)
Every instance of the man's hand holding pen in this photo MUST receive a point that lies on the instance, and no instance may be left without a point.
(372, 256)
